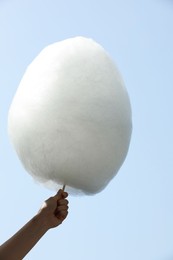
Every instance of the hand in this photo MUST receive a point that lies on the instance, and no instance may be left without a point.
(52, 213)
(55, 209)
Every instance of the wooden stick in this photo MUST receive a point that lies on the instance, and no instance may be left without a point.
(63, 188)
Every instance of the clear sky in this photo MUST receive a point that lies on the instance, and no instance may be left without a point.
(132, 218)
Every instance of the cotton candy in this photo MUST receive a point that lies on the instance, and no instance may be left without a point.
(70, 119)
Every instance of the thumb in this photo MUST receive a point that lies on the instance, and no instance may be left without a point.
(61, 194)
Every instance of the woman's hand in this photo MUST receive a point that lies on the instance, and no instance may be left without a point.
(52, 214)
(54, 210)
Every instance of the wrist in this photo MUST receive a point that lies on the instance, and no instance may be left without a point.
(41, 222)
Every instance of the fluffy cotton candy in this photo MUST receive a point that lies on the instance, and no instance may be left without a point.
(70, 120)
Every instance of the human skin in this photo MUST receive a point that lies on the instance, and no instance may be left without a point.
(52, 214)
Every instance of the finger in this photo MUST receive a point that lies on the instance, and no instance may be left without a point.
(61, 194)
(61, 208)
(63, 202)
(64, 194)
(63, 215)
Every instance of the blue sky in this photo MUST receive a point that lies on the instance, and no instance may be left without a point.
(133, 217)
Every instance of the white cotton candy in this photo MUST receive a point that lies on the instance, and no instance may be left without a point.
(70, 120)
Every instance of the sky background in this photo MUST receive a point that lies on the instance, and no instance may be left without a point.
(132, 218)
